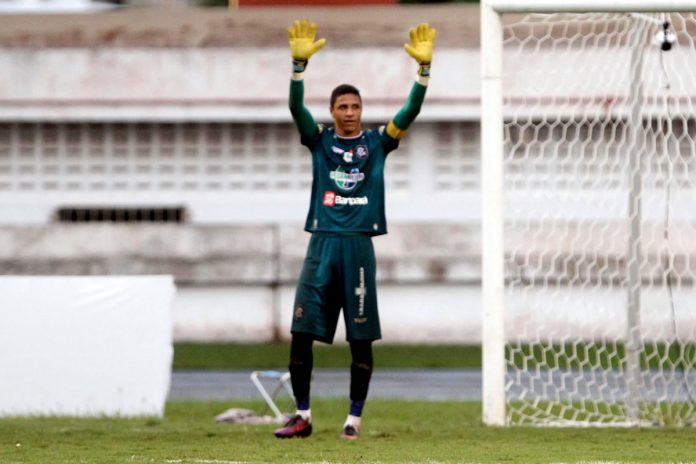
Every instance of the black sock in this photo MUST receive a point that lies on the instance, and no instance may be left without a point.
(360, 375)
(301, 362)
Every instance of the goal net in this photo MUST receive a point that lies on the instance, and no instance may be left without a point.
(597, 216)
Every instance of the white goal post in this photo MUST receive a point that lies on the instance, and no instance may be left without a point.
(588, 175)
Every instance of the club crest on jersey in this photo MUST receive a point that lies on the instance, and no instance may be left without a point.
(346, 181)
(361, 151)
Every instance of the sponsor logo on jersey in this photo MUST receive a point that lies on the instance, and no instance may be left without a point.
(299, 313)
(347, 155)
(347, 180)
(331, 199)
(352, 201)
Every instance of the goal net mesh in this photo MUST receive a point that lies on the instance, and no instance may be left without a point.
(600, 218)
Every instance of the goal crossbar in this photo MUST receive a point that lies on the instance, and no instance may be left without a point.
(583, 6)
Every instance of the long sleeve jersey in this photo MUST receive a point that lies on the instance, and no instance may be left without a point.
(347, 193)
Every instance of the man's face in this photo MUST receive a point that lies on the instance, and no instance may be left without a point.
(346, 113)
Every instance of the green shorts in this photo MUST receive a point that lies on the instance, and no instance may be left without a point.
(338, 272)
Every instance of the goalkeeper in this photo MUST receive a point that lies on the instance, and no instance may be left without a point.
(346, 209)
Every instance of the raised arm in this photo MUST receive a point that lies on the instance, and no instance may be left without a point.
(302, 46)
(420, 47)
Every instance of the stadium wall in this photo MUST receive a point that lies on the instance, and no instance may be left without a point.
(114, 112)
(73, 139)
(236, 282)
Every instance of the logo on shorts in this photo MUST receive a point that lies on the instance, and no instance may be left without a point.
(360, 292)
(299, 313)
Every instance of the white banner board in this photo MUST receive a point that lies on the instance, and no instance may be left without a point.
(85, 346)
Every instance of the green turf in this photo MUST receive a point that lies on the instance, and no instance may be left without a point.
(571, 356)
(275, 355)
(393, 432)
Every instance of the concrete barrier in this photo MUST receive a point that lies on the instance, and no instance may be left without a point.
(236, 282)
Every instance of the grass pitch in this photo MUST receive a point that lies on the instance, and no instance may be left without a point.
(571, 356)
(276, 356)
(393, 432)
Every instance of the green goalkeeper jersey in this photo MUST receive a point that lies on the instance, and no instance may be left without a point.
(348, 173)
(348, 182)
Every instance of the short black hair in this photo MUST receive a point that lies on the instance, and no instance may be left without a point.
(343, 89)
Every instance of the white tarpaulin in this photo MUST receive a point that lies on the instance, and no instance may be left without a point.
(85, 346)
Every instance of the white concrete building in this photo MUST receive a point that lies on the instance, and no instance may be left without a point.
(159, 142)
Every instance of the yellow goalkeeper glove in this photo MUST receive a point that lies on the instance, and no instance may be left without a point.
(302, 44)
(421, 46)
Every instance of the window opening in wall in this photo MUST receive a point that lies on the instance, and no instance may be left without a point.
(175, 214)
